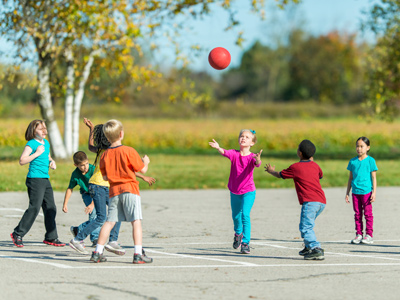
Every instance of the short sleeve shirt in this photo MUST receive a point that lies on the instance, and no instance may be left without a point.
(119, 164)
(77, 178)
(306, 176)
(39, 167)
(361, 170)
(241, 177)
(97, 177)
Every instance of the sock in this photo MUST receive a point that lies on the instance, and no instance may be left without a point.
(99, 248)
(138, 249)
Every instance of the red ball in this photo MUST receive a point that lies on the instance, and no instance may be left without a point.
(219, 58)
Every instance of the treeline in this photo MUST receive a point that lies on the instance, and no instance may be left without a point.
(327, 69)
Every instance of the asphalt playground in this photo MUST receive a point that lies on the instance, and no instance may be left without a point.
(189, 235)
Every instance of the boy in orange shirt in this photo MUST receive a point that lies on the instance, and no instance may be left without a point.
(118, 165)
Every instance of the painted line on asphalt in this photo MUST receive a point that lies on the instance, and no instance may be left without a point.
(16, 209)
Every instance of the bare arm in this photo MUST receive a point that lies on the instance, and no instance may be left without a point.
(146, 161)
(215, 145)
(68, 194)
(373, 195)
(349, 187)
(27, 158)
(149, 180)
(89, 124)
(52, 163)
(271, 170)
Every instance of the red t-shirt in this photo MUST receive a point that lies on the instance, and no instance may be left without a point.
(119, 164)
(306, 176)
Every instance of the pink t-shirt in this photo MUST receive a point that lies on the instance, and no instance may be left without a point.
(241, 178)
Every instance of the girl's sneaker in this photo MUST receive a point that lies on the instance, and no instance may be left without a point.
(55, 242)
(245, 249)
(237, 240)
(367, 239)
(357, 239)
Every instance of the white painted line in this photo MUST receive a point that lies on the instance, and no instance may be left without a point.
(37, 261)
(17, 209)
(202, 258)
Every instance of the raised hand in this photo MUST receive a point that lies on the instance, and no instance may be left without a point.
(214, 144)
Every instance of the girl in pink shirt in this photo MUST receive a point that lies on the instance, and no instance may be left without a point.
(241, 185)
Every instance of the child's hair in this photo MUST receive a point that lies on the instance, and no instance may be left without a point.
(30, 131)
(307, 148)
(79, 157)
(99, 140)
(112, 129)
(364, 139)
(253, 132)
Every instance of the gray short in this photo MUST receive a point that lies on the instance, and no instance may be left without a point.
(124, 207)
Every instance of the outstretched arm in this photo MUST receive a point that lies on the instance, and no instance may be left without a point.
(258, 158)
(271, 170)
(148, 179)
(215, 145)
(89, 124)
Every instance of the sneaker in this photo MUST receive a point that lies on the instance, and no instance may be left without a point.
(115, 248)
(367, 239)
(94, 243)
(74, 231)
(142, 259)
(17, 239)
(97, 257)
(304, 251)
(245, 249)
(237, 240)
(55, 242)
(315, 254)
(78, 246)
(357, 239)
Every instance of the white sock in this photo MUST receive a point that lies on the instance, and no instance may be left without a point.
(138, 249)
(99, 248)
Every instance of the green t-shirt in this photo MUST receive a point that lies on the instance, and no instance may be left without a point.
(77, 178)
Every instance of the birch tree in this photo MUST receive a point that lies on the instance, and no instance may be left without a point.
(81, 33)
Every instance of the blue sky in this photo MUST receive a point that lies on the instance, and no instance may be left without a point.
(315, 16)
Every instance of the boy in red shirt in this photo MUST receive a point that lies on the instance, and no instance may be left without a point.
(306, 175)
(118, 165)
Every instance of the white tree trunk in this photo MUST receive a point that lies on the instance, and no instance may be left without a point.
(69, 102)
(79, 97)
(47, 111)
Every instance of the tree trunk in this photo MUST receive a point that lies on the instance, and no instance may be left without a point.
(46, 108)
(79, 97)
(69, 103)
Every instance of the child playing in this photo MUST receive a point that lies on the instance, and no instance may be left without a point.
(241, 186)
(118, 165)
(306, 175)
(362, 180)
(40, 191)
(80, 176)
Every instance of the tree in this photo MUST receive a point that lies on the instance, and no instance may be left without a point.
(80, 32)
(383, 78)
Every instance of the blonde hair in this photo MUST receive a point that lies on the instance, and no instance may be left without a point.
(112, 130)
(254, 139)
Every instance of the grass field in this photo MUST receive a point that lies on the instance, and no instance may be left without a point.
(182, 159)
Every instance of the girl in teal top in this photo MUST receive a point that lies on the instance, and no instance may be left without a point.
(40, 191)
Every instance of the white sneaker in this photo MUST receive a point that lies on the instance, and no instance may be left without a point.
(115, 248)
(78, 246)
(367, 239)
(357, 239)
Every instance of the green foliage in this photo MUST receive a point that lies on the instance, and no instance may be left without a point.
(383, 78)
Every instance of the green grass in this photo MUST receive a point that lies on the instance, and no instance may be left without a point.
(200, 172)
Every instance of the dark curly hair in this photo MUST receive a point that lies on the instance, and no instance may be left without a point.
(99, 140)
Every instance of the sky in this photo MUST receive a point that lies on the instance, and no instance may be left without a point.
(315, 16)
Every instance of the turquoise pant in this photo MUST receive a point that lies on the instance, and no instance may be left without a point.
(241, 206)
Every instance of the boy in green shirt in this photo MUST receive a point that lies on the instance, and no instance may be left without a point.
(80, 176)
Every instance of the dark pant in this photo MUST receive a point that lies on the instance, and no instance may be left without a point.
(40, 195)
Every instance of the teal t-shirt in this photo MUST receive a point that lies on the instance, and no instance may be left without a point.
(77, 178)
(39, 167)
(362, 179)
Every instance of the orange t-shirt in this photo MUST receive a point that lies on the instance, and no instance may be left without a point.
(119, 164)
